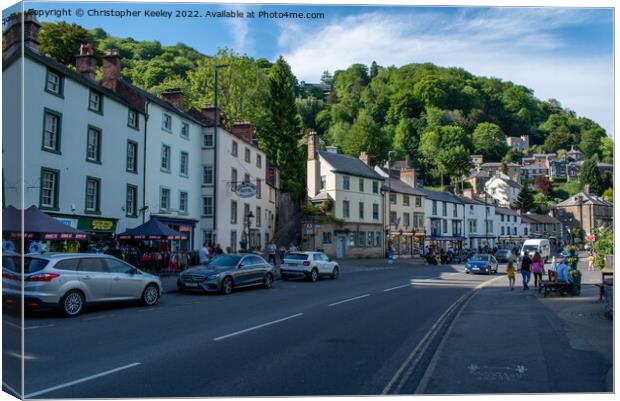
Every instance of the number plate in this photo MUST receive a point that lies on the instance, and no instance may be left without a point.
(191, 284)
(293, 264)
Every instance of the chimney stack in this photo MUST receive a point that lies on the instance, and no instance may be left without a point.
(364, 158)
(174, 97)
(313, 167)
(313, 145)
(208, 111)
(468, 193)
(243, 129)
(86, 62)
(408, 176)
(13, 34)
(111, 69)
(586, 188)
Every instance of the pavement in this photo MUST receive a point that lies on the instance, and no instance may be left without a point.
(521, 342)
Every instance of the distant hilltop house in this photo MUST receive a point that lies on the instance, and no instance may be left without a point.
(325, 88)
(503, 189)
(521, 143)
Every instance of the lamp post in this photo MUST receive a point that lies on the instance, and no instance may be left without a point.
(390, 198)
(248, 222)
(215, 137)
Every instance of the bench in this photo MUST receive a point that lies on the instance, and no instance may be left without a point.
(553, 285)
(601, 286)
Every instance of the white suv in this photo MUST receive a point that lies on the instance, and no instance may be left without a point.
(310, 265)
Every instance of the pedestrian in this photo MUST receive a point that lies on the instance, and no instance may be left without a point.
(526, 270)
(282, 252)
(218, 250)
(271, 252)
(591, 262)
(510, 272)
(538, 266)
(203, 253)
(554, 263)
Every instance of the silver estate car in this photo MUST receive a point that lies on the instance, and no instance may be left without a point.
(72, 280)
(226, 272)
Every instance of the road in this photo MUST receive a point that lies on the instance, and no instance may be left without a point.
(350, 336)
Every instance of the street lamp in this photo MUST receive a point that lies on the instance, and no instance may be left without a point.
(390, 198)
(248, 222)
(215, 137)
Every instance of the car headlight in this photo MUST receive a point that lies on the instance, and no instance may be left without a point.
(213, 277)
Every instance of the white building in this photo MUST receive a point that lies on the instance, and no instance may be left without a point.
(510, 228)
(83, 145)
(503, 189)
(443, 219)
(479, 222)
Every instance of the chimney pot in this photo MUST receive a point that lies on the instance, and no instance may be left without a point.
(364, 158)
(13, 34)
(111, 69)
(86, 62)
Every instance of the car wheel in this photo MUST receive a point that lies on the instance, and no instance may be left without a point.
(267, 280)
(72, 303)
(466, 271)
(314, 275)
(335, 272)
(150, 295)
(227, 286)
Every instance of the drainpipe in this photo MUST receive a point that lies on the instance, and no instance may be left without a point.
(146, 119)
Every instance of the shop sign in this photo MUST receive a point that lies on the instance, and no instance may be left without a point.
(186, 229)
(94, 224)
(69, 222)
(102, 225)
(245, 190)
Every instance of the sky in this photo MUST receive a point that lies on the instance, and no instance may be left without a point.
(560, 53)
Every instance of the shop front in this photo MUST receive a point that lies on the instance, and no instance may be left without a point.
(439, 242)
(101, 230)
(407, 243)
(186, 227)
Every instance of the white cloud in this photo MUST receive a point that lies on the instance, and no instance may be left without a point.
(517, 44)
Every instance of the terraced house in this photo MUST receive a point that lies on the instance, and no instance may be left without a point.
(443, 213)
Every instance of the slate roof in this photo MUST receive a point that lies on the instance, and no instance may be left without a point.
(588, 199)
(440, 195)
(396, 185)
(506, 211)
(510, 182)
(349, 165)
(539, 218)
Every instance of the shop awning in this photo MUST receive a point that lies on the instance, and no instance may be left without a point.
(446, 238)
(37, 224)
(152, 230)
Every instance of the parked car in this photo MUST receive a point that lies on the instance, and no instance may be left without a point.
(70, 281)
(227, 272)
(481, 263)
(504, 256)
(310, 265)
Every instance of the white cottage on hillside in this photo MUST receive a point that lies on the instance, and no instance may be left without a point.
(503, 189)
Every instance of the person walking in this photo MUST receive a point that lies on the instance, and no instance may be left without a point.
(591, 262)
(510, 272)
(526, 270)
(538, 266)
(203, 253)
(218, 250)
(271, 253)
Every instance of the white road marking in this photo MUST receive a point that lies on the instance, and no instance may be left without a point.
(17, 326)
(94, 318)
(256, 327)
(11, 389)
(71, 383)
(396, 288)
(349, 300)
(19, 356)
(39, 327)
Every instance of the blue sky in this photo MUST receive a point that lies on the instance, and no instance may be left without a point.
(564, 53)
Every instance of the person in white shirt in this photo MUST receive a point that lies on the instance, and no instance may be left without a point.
(203, 254)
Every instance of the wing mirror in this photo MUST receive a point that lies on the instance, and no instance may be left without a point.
(240, 265)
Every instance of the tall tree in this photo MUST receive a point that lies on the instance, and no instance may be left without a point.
(62, 41)
(366, 136)
(282, 133)
(490, 141)
(607, 150)
(590, 143)
(590, 175)
(542, 184)
(525, 200)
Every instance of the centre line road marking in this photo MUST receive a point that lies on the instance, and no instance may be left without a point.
(107, 372)
(11, 389)
(94, 318)
(396, 288)
(39, 327)
(256, 327)
(349, 300)
(17, 326)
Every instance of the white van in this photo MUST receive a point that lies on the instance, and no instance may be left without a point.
(541, 245)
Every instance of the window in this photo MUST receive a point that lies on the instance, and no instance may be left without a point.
(346, 182)
(377, 238)
(361, 238)
(92, 195)
(345, 209)
(183, 202)
(207, 206)
(393, 218)
(233, 212)
(406, 219)
(258, 216)
(418, 220)
(445, 208)
(92, 265)
(259, 188)
(207, 175)
(132, 157)
(259, 161)
(166, 122)
(233, 177)
(248, 155)
(392, 199)
(375, 211)
(132, 119)
(525, 231)
(471, 209)
(418, 201)
(184, 164)
(361, 185)
(514, 230)
(51, 131)
(49, 189)
(514, 218)
(502, 230)
(327, 238)
(375, 187)
(184, 130)
(445, 226)
(456, 227)
(323, 179)
(235, 149)
(370, 239)
(246, 178)
(502, 217)
(405, 200)
(53, 83)
(164, 199)
(361, 211)
(93, 145)
(131, 204)
(95, 102)
(434, 208)
(117, 266)
(473, 225)
(233, 241)
(165, 158)
(455, 210)
(207, 140)
(246, 212)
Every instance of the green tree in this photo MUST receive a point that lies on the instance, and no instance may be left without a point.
(407, 138)
(525, 200)
(62, 41)
(542, 184)
(608, 194)
(590, 143)
(490, 141)
(455, 161)
(559, 139)
(366, 136)
(603, 246)
(607, 150)
(590, 175)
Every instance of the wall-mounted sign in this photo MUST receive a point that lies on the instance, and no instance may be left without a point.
(245, 190)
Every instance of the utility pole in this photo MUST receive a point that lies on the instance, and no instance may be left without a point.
(215, 138)
(390, 198)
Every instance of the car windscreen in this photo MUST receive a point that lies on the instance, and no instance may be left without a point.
(224, 261)
(480, 258)
(296, 256)
(530, 248)
(31, 265)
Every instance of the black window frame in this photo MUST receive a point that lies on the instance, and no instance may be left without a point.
(58, 115)
(134, 212)
(97, 209)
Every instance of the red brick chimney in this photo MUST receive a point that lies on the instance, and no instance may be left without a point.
(408, 176)
(13, 34)
(111, 69)
(313, 145)
(468, 193)
(85, 62)
(174, 97)
(364, 158)
(208, 110)
(243, 129)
